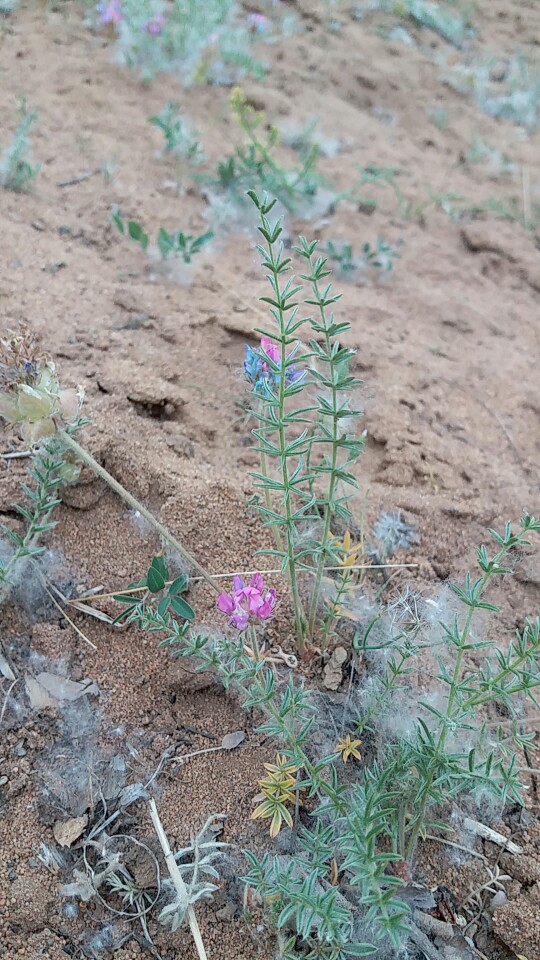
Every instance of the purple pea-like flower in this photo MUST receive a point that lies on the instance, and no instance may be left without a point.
(155, 26)
(260, 373)
(110, 12)
(247, 601)
(258, 21)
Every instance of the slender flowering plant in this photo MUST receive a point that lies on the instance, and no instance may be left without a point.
(305, 420)
(336, 891)
(46, 415)
(359, 836)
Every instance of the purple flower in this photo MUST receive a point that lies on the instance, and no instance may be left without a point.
(246, 601)
(110, 12)
(155, 25)
(258, 21)
(260, 373)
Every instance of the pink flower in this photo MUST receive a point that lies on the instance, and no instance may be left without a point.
(271, 349)
(260, 374)
(110, 12)
(155, 25)
(258, 21)
(247, 600)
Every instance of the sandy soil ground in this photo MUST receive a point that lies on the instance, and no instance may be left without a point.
(447, 348)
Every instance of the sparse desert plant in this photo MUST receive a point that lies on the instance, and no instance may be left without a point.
(178, 244)
(433, 16)
(305, 137)
(305, 418)
(503, 87)
(157, 583)
(33, 403)
(256, 166)
(439, 116)
(196, 866)
(497, 162)
(16, 170)
(390, 534)
(174, 244)
(200, 43)
(379, 257)
(31, 399)
(380, 177)
(460, 208)
(338, 896)
(342, 254)
(179, 138)
(47, 473)
(108, 878)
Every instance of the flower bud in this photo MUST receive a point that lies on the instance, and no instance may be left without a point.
(34, 432)
(69, 404)
(9, 410)
(34, 404)
(69, 472)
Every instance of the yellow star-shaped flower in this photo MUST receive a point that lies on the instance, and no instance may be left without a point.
(349, 550)
(349, 748)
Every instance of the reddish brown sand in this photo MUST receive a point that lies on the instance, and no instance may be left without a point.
(448, 350)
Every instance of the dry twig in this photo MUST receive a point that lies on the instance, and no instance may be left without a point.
(177, 879)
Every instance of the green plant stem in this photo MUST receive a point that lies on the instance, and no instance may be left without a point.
(288, 491)
(38, 523)
(480, 699)
(252, 634)
(299, 618)
(267, 497)
(333, 613)
(89, 460)
(376, 705)
(421, 804)
(29, 541)
(259, 145)
(333, 476)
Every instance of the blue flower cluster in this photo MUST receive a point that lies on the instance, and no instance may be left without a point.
(259, 372)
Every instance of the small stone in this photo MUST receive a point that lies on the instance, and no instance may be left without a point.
(333, 671)
(54, 267)
(498, 900)
(67, 832)
(228, 912)
(498, 72)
